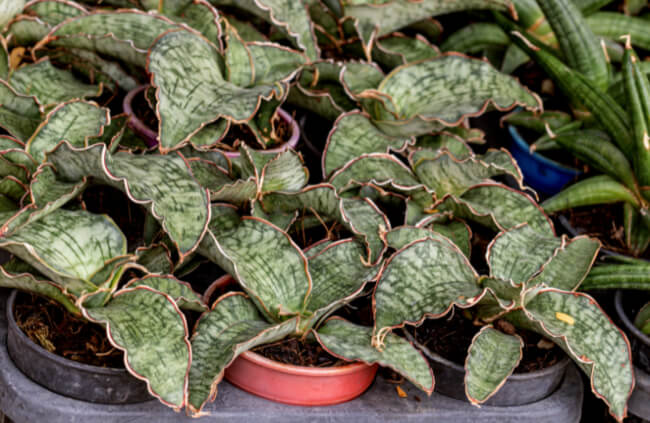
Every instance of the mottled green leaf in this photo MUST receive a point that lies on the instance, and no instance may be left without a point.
(354, 134)
(353, 342)
(446, 90)
(132, 33)
(199, 15)
(74, 122)
(181, 292)
(51, 85)
(151, 330)
(19, 115)
(402, 236)
(269, 266)
(378, 169)
(191, 90)
(427, 278)
(577, 324)
(497, 206)
(9, 9)
(69, 247)
(285, 172)
(338, 276)
(491, 359)
(398, 50)
(155, 258)
(232, 327)
(290, 16)
(163, 183)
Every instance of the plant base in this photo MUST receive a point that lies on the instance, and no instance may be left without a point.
(24, 401)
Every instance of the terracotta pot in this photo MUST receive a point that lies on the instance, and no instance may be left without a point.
(297, 385)
(67, 377)
(219, 287)
(150, 136)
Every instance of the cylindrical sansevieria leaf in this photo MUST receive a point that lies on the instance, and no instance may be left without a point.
(587, 7)
(579, 44)
(578, 88)
(614, 25)
(589, 192)
(637, 89)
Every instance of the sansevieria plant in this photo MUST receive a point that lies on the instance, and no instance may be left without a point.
(622, 152)
(531, 283)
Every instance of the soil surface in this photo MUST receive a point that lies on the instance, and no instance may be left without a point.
(299, 353)
(604, 222)
(452, 337)
(53, 328)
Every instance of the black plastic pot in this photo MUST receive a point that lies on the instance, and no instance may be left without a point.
(627, 303)
(519, 389)
(67, 377)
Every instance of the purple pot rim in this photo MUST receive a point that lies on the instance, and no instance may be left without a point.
(151, 136)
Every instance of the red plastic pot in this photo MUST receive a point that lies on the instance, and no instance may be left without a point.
(297, 385)
(219, 287)
(150, 136)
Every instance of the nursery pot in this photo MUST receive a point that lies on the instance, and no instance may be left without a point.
(519, 389)
(639, 402)
(219, 287)
(298, 385)
(150, 135)
(540, 173)
(70, 378)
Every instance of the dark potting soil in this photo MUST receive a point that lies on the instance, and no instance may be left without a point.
(49, 325)
(452, 337)
(604, 222)
(299, 353)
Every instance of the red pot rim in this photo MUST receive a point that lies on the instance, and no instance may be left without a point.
(151, 136)
(292, 369)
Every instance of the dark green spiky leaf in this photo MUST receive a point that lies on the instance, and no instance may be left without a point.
(618, 276)
(74, 122)
(69, 247)
(19, 115)
(191, 90)
(424, 279)
(151, 330)
(352, 135)
(578, 43)
(163, 183)
(233, 326)
(452, 92)
(51, 85)
(353, 342)
(269, 266)
(497, 206)
(600, 189)
(577, 324)
(491, 359)
(338, 275)
(615, 25)
(537, 121)
(181, 292)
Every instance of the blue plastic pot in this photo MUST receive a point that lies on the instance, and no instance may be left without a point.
(545, 176)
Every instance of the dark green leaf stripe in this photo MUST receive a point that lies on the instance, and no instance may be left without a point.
(232, 327)
(491, 359)
(353, 342)
(152, 331)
